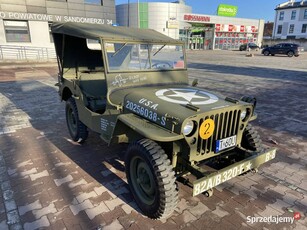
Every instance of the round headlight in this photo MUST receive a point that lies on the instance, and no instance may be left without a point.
(243, 114)
(188, 128)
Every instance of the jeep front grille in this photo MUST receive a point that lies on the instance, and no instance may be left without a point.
(226, 125)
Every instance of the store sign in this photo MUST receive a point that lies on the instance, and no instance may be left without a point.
(227, 10)
(52, 18)
(172, 23)
(196, 18)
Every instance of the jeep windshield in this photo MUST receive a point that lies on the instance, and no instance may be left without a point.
(144, 57)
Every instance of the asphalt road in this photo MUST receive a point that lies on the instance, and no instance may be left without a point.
(47, 181)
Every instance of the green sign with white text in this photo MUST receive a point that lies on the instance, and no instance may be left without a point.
(227, 10)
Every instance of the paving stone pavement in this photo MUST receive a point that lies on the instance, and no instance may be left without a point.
(49, 182)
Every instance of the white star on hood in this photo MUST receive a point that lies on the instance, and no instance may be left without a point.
(187, 96)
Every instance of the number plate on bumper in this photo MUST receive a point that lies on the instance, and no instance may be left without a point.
(203, 184)
(225, 143)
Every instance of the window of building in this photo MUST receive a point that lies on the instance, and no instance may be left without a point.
(291, 29)
(281, 15)
(293, 15)
(279, 29)
(304, 28)
(94, 2)
(305, 14)
(16, 31)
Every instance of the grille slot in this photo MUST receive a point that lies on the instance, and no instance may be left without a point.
(226, 125)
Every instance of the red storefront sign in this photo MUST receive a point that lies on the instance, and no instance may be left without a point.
(217, 27)
(242, 28)
(198, 18)
(230, 28)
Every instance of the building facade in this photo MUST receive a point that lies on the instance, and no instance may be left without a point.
(222, 32)
(198, 31)
(26, 23)
(291, 20)
(161, 16)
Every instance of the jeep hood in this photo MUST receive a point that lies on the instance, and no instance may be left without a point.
(170, 103)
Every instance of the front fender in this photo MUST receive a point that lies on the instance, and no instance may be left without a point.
(142, 128)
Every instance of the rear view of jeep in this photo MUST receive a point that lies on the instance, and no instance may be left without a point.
(131, 86)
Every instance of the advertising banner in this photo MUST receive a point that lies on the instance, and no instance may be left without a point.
(217, 27)
(227, 10)
(172, 24)
(248, 29)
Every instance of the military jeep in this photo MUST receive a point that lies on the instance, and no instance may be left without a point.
(131, 86)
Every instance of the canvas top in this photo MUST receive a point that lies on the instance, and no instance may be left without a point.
(107, 32)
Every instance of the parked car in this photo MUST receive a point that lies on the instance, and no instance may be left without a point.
(245, 46)
(289, 49)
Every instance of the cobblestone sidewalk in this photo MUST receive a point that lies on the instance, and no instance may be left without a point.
(48, 181)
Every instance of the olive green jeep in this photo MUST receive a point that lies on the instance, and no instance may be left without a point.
(131, 86)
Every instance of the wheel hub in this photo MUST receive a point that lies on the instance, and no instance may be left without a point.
(143, 180)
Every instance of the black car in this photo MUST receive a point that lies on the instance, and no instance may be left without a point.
(250, 45)
(289, 49)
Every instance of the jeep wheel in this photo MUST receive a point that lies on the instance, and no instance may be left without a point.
(290, 54)
(266, 53)
(151, 179)
(78, 131)
(251, 139)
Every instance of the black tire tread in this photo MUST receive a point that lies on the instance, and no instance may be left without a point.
(251, 139)
(165, 176)
(82, 133)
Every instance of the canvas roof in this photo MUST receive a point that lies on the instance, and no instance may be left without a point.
(108, 32)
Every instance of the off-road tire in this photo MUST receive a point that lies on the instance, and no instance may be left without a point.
(266, 53)
(151, 179)
(251, 139)
(249, 99)
(77, 130)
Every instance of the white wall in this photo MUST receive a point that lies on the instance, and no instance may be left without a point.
(39, 32)
(2, 33)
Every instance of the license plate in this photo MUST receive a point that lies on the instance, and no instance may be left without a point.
(210, 181)
(225, 143)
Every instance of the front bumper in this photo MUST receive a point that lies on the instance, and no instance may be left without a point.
(215, 178)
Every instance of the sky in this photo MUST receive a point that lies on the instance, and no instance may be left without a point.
(254, 9)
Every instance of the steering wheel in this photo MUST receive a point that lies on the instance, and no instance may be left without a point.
(162, 65)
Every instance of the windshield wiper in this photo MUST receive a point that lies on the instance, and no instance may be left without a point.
(116, 52)
(159, 50)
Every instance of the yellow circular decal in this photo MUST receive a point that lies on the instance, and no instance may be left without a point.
(206, 129)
